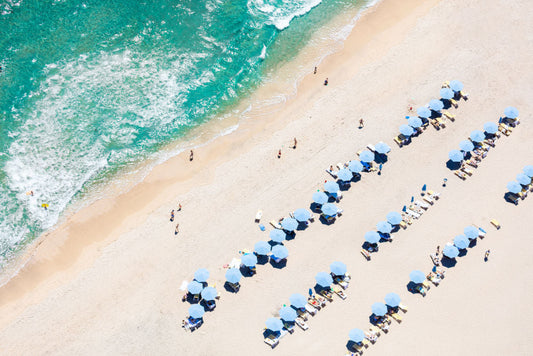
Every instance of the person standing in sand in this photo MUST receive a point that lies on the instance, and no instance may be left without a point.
(315, 70)
(191, 157)
(172, 215)
(179, 207)
(279, 153)
(361, 123)
(177, 229)
(326, 81)
(487, 253)
(295, 143)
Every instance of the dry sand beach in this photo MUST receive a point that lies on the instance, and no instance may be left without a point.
(106, 282)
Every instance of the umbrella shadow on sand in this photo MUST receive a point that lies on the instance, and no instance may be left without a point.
(278, 265)
(453, 166)
(448, 262)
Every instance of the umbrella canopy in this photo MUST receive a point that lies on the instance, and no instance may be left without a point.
(329, 209)
(262, 248)
(356, 335)
(456, 85)
(323, 279)
(477, 136)
(320, 198)
(338, 268)
(287, 314)
(514, 187)
(523, 179)
(461, 242)
(450, 251)
(436, 105)
(201, 275)
(298, 300)
(302, 214)
(471, 232)
(249, 260)
(196, 311)
(392, 300)
(195, 287)
(455, 156)
(382, 148)
(394, 218)
(414, 122)
(274, 324)
(511, 112)
(423, 112)
(417, 276)
(233, 275)
(209, 293)
(280, 251)
(406, 130)
(367, 156)
(490, 127)
(331, 187)
(277, 235)
(446, 93)
(384, 227)
(289, 224)
(528, 170)
(372, 237)
(345, 175)
(355, 166)
(379, 309)
(466, 145)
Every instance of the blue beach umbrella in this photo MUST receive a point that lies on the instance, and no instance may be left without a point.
(355, 166)
(511, 112)
(490, 127)
(287, 314)
(461, 242)
(320, 198)
(233, 275)
(356, 335)
(366, 156)
(456, 85)
(196, 311)
(302, 215)
(394, 218)
(382, 148)
(392, 300)
(345, 175)
(289, 224)
(298, 300)
(338, 268)
(423, 112)
(446, 93)
(280, 251)
(379, 309)
(436, 105)
(201, 275)
(471, 232)
(523, 179)
(249, 260)
(514, 187)
(274, 324)
(209, 293)
(323, 279)
(455, 156)
(414, 122)
(466, 145)
(329, 209)
(406, 130)
(372, 237)
(477, 136)
(262, 248)
(450, 251)
(417, 276)
(528, 171)
(331, 187)
(195, 287)
(384, 227)
(277, 235)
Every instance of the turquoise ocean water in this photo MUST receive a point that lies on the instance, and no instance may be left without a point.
(90, 88)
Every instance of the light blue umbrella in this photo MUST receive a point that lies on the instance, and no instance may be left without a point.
(249, 260)
(201, 275)
(302, 214)
(323, 279)
(414, 122)
(280, 251)
(446, 93)
(392, 300)
(490, 127)
(514, 187)
(298, 300)
(196, 311)
(345, 175)
(277, 235)
(366, 156)
(394, 218)
(417, 276)
(436, 105)
(461, 242)
(523, 179)
(471, 232)
(466, 145)
(456, 85)
(384, 227)
(356, 335)
(195, 287)
(338, 268)
(379, 309)
(287, 314)
(372, 237)
(455, 156)
(331, 187)
(209, 293)
(320, 198)
(450, 251)
(423, 112)
(511, 112)
(355, 166)
(289, 224)
(477, 136)
(329, 209)
(274, 324)
(262, 248)
(528, 170)
(406, 130)
(382, 148)
(233, 275)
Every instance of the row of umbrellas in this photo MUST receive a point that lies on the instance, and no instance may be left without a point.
(263, 248)
(476, 136)
(385, 227)
(522, 179)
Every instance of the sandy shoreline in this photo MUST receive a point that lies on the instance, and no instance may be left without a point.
(109, 276)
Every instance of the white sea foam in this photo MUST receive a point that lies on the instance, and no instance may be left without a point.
(281, 12)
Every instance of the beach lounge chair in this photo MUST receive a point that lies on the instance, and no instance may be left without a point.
(428, 199)
(496, 224)
(396, 317)
(289, 327)
(341, 281)
(326, 294)
(371, 147)
(311, 309)
(435, 259)
(196, 298)
(412, 213)
(398, 141)
(365, 343)
(441, 121)
(471, 163)
(426, 285)
(454, 103)
(275, 224)
(433, 278)
(513, 198)
(301, 323)
(466, 170)
(234, 286)
(374, 330)
(448, 115)
(366, 254)
(258, 216)
(464, 95)
(272, 340)
(403, 225)
(403, 307)
(357, 347)
(460, 174)
(446, 84)
(422, 205)
(371, 336)
(482, 232)
(332, 173)
(338, 290)
(302, 313)
(313, 303)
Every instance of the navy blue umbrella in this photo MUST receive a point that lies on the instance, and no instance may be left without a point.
(461, 242)
(417, 276)
(196, 311)
(355, 166)
(280, 251)
(338, 268)
(392, 300)
(274, 324)
(446, 93)
(356, 335)
(277, 235)
(379, 309)
(455, 156)
(249, 260)
(345, 175)
(233, 275)
(288, 314)
(366, 156)
(302, 215)
(329, 209)
(514, 187)
(298, 300)
(201, 275)
(528, 170)
(209, 293)
(331, 187)
(511, 112)
(414, 122)
(477, 136)
(195, 287)
(523, 179)
(289, 224)
(384, 227)
(490, 127)
(372, 237)
(456, 85)
(423, 112)
(320, 198)
(323, 279)
(471, 232)
(262, 248)
(450, 251)
(436, 105)
(466, 145)
(382, 148)
(406, 130)
(394, 218)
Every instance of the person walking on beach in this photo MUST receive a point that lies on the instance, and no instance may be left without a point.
(279, 153)
(487, 253)
(295, 143)
(326, 81)
(172, 215)
(380, 168)
(315, 70)
(361, 123)
(177, 229)
(438, 250)
(191, 156)
(179, 207)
